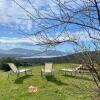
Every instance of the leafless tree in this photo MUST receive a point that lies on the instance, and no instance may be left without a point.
(82, 15)
(61, 26)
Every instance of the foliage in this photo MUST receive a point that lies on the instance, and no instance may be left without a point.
(4, 61)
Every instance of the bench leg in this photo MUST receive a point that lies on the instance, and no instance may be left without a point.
(31, 71)
(17, 75)
(42, 74)
(25, 72)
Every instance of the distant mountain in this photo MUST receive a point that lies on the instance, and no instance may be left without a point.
(54, 52)
(23, 51)
(20, 52)
(35, 56)
(71, 58)
(51, 53)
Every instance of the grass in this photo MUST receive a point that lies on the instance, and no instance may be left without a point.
(60, 87)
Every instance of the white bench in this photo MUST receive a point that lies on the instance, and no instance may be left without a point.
(65, 70)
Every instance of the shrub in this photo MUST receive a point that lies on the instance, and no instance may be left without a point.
(3, 63)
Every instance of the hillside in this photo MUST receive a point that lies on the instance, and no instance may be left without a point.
(21, 52)
(72, 58)
(34, 56)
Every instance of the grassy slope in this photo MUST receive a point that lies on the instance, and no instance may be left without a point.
(61, 87)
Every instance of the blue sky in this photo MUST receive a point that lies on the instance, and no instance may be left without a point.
(13, 25)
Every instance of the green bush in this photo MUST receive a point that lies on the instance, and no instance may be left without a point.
(3, 63)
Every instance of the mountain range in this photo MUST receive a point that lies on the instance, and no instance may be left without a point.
(21, 52)
(69, 58)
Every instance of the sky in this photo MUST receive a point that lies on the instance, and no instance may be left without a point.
(14, 23)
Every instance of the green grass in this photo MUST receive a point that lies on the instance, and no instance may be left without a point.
(60, 87)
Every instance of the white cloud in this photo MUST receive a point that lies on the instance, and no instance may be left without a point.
(10, 12)
(8, 40)
(33, 40)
